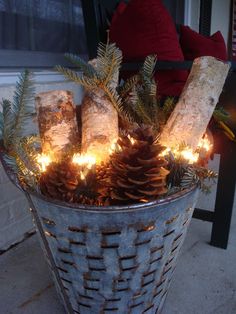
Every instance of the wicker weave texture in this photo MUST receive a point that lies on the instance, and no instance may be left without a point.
(118, 262)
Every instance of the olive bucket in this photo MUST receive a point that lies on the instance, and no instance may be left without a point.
(112, 260)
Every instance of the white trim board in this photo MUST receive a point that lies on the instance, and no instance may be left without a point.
(10, 77)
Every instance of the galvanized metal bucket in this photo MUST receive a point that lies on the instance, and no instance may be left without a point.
(113, 259)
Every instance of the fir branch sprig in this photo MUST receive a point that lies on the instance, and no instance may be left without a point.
(81, 64)
(21, 150)
(72, 75)
(147, 74)
(7, 123)
(128, 86)
(168, 107)
(108, 62)
(139, 108)
(28, 149)
(99, 73)
(140, 98)
(17, 112)
(183, 175)
(196, 175)
(220, 114)
(1, 125)
(22, 161)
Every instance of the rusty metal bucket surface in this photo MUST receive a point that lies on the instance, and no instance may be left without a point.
(113, 259)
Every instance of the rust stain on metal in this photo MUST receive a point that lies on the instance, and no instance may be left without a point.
(35, 296)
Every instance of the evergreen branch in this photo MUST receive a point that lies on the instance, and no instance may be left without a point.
(22, 105)
(140, 108)
(1, 125)
(114, 68)
(109, 59)
(26, 177)
(16, 113)
(198, 175)
(16, 166)
(220, 114)
(149, 66)
(117, 103)
(8, 123)
(168, 107)
(27, 151)
(22, 161)
(87, 69)
(153, 89)
(114, 98)
(128, 85)
(141, 91)
(71, 75)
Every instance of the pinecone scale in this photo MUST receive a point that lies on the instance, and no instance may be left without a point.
(60, 181)
(137, 172)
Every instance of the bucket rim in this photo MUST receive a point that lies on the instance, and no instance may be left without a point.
(115, 208)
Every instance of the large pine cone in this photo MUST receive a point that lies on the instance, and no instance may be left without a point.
(103, 183)
(60, 181)
(137, 172)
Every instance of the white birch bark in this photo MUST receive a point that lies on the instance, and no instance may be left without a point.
(57, 122)
(99, 122)
(190, 118)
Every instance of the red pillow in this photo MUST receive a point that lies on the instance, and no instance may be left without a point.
(144, 28)
(195, 45)
(119, 10)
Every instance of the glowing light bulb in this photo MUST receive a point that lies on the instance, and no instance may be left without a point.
(132, 140)
(43, 161)
(84, 160)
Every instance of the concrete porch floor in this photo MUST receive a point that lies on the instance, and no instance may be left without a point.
(204, 280)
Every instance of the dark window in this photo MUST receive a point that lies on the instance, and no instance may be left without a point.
(176, 9)
(40, 28)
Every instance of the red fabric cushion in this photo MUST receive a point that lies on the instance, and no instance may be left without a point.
(144, 28)
(119, 10)
(195, 45)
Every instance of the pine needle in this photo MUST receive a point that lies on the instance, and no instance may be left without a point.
(220, 114)
(117, 103)
(86, 68)
(109, 59)
(148, 68)
(128, 85)
(23, 103)
(17, 112)
(74, 76)
(140, 108)
(1, 125)
(22, 161)
(168, 106)
(8, 123)
(196, 175)
(22, 150)
(139, 95)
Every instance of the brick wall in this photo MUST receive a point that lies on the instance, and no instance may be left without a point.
(15, 218)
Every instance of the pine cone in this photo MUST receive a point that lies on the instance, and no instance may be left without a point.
(103, 186)
(137, 172)
(60, 181)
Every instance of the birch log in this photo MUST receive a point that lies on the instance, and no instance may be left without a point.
(57, 122)
(99, 122)
(190, 118)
